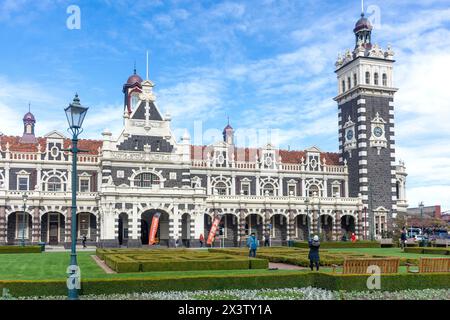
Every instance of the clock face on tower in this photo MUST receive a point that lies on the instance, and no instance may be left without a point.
(378, 132)
(350, 135)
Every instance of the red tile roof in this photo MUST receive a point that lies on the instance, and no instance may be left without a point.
(16, 146)
(249, 154)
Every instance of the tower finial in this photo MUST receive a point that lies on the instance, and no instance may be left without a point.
(29, 106)
(135, 72)
(362, 8)
(228, 120)
(147, 65)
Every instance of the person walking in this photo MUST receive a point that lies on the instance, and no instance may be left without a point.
(267, 239)
(83, 241)
(252, 244)
(313, 256)
(403, 238)
(202, 239)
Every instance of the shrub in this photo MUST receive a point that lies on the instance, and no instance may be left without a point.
(17, 249)
(259, 263)
(413, 250)
(169, 265)
(342, 244)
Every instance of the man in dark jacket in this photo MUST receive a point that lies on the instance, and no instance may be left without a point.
(403, 238)
(313, 256)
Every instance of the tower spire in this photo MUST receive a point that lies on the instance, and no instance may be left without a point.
(362, 8)
(135, 72)
(147, 65)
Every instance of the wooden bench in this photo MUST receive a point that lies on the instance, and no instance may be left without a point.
(429, 265)
(360, 266)
(442, 242)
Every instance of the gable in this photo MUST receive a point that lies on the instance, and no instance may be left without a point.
(139, 114)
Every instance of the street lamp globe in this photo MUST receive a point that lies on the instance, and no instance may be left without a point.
(75, 114)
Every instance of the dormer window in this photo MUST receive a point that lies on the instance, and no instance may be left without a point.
(375, 78)
(367, 77)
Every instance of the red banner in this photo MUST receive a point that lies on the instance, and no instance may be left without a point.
(212, 232)
(154, 228)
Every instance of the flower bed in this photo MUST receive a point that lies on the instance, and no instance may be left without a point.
(308, 293)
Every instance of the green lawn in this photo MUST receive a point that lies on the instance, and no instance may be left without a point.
(393, 252)
(52, 266)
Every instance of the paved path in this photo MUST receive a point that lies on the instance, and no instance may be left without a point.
(284, 266)
(102, 265)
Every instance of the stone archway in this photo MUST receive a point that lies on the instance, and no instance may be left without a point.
(229, 230)
(53, 226)
(255, 223)
(278, 232)
(326, 227)
(302, 227)
(19, 228)
(348, 226)
(123, 228)
(87, 226)
(162, 234)
(186, 223)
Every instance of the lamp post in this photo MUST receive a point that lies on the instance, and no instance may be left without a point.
(421, 206)
(24, 198)
(75, 116)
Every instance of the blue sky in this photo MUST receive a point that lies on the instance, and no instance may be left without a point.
(267, 64)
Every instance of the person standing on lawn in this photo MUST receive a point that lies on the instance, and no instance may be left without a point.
(252, 244)
(313, 256)
(403, 238)
(267, 239)
(202, 239)
(83, 241)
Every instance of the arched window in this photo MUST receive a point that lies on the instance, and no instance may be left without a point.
(314, 190)
(367, 77)
(146, 180)
(349, 83)
(54, 184)
(343, 85)
(355, 80)
(221, 189)
(385, 79)
(375, 78)
(268, 189)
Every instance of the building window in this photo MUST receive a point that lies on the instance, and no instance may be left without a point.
(83, 225)
(269, 189)
(85, 185)
(385, 79)
(146, 180)
(336, 190)
(355, 80)
(314, 190)
(349, 83)
(292, 189)
(134, 101)
(54, 184)
(23, 183)
(343, 85)
(245, 188)
(375, 78)
(221, 189)
(367, 77)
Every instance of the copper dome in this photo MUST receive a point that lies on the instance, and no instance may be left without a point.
(135, 78)
(29, 117)
(363, 23)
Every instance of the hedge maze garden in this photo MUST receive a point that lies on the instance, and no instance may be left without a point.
(126, 261)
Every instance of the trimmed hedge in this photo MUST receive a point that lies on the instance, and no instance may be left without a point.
(269, 280)
(441, 251)
(341, 244)
(17, 249)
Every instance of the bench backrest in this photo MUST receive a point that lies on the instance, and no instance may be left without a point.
(359, 266)
(434, 265)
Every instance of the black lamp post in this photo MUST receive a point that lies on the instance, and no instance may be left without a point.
(24, 198)
(75, 116)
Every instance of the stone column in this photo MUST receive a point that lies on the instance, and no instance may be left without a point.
(3, 226)
(313, 222)
(36, 226)
(241, 228)
(337, 227)
(291, 226)
(267, 222)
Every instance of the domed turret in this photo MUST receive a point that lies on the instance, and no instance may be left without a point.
(363, 32)
(29, 122)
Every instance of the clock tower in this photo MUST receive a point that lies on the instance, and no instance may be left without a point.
(366, 127)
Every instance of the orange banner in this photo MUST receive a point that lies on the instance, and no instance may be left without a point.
(212, 232)
(154, 228)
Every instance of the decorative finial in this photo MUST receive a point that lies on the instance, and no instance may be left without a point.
(362, 8)
(29, 106)
(228, 120)
(135, 72)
